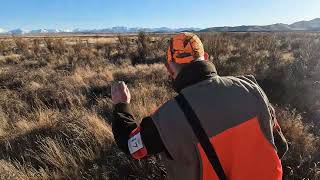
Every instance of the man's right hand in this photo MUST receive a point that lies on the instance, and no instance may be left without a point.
(120, 93)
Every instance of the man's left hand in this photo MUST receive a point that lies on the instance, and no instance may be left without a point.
(120, 93)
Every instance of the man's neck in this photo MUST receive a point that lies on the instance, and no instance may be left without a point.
(193, 73)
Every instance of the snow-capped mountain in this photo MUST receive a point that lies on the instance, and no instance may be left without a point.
(123, 29)
(18, 31)
(118, 29)
(36, 31)
(45, 31)
(2, 31)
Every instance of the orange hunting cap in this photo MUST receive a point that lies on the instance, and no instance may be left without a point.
(184, 48)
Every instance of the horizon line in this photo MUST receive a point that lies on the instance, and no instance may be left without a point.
(150, 27)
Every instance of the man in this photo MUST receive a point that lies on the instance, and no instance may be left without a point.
(216, 128)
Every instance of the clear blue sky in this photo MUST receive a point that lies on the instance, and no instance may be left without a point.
(32, 14)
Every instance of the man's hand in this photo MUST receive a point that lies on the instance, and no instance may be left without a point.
(120, 93)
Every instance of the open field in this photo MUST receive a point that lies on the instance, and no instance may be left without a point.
(55, 107)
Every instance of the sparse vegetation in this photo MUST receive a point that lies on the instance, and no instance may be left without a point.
(55, 107)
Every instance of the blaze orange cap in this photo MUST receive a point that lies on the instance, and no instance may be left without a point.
(184, 48)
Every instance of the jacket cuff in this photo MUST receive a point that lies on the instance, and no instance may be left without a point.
(123, 108)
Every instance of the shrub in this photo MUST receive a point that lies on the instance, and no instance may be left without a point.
(303, 158)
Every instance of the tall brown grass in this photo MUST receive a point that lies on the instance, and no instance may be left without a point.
(55, 107)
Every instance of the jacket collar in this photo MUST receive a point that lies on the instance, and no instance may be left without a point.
(193, 73)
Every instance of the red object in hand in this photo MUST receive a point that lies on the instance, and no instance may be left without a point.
(120, 93)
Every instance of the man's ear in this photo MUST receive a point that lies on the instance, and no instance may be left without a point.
(206, 56)
(170, 71)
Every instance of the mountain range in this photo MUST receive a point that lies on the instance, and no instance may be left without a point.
(313, 25)
(119, 29)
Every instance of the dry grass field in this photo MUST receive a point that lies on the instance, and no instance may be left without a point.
(55, 107)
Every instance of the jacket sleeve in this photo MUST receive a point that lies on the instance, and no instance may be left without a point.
(124, 124)
(279, 139)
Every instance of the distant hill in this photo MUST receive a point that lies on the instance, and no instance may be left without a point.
(313, 25)
(305, 25)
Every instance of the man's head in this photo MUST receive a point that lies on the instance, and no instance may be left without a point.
(183, 49)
